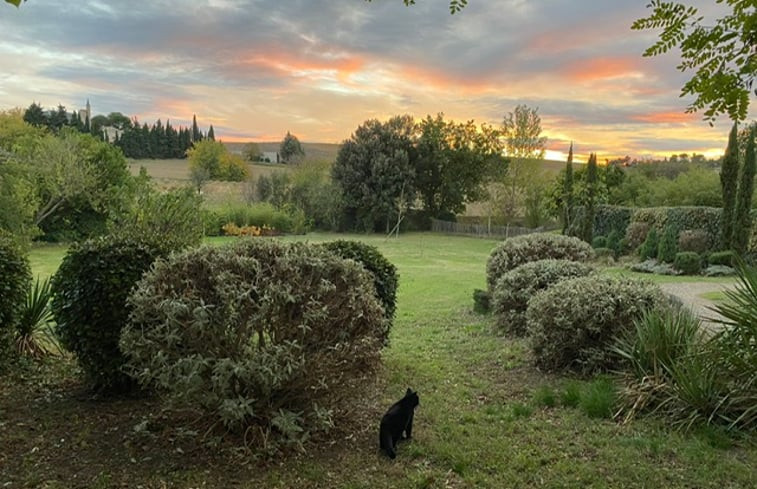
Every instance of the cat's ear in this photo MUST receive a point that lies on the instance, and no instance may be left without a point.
(409, 392)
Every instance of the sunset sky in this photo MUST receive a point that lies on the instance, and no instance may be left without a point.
(319, 68)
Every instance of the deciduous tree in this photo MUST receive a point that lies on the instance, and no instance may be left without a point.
(525, 147)
(374, 170)
(720, 53)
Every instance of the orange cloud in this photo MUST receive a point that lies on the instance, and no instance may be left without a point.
(288, 63)
(602, 68)
(671, 117)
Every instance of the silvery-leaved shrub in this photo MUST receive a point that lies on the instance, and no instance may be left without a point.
(257, 334)
(516, 287)
(532, 247)
(573, 324)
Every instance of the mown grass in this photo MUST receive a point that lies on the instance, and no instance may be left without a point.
(486, 418)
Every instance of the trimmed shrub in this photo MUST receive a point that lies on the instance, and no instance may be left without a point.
(516, 287)
(727, 258)
(573, 323)
(668, 246)
(688, 262)
(260, 334)
(636, 234)
(385, 278)
(532, 247)
(481, 301)
(649, 247)
(599, 242)
(89, 303)
(696, 240)
(15, 279)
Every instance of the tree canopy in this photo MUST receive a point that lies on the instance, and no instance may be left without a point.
(720, 53)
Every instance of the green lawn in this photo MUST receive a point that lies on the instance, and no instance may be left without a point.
(477, 424)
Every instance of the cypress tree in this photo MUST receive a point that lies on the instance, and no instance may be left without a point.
(742, 224)
(729, 174)
(568, 191)
(196, 135)
(592, 180)
(211, 133)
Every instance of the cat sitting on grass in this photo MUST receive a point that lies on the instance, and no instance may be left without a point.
(398, 420)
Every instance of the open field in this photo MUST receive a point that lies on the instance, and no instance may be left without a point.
(480, 422)
(174, 173)
(313, 151)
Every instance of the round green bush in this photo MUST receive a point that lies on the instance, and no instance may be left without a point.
(515, 288)
(727, 258)
(385, 278)
(688, 262)
(572, 325)
(89, 303)
(532, 247)
(599, 242)
(259, 333)
(15, 279)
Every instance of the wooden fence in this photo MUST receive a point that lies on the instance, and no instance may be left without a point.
(481, 230)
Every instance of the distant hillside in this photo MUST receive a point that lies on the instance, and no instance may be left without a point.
(313, 151)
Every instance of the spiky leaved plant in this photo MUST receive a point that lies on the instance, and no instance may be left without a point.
(35, 337)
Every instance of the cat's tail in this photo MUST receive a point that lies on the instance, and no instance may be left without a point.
(386, 444)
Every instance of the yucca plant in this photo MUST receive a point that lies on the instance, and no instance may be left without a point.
(35, 337)
(735, 349)
(653, 352)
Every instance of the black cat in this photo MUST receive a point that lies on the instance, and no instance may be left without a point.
(398, 419)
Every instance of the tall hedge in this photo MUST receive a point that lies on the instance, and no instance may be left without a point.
(15, 279)
(89, 303)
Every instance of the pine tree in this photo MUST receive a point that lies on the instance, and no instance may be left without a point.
(211, 133)
(35, 116)
(742, 224)
(729, 174)
(590, 199)
(568, 191)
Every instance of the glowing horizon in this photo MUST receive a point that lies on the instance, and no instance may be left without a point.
(255, 70)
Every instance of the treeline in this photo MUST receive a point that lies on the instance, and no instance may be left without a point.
(159, 141)
(136, 140)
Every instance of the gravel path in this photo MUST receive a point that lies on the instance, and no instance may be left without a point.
(689, 293)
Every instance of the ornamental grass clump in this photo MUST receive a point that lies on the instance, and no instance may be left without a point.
(516, 287)
(573, 323)
(259, 336)
(532, 247)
